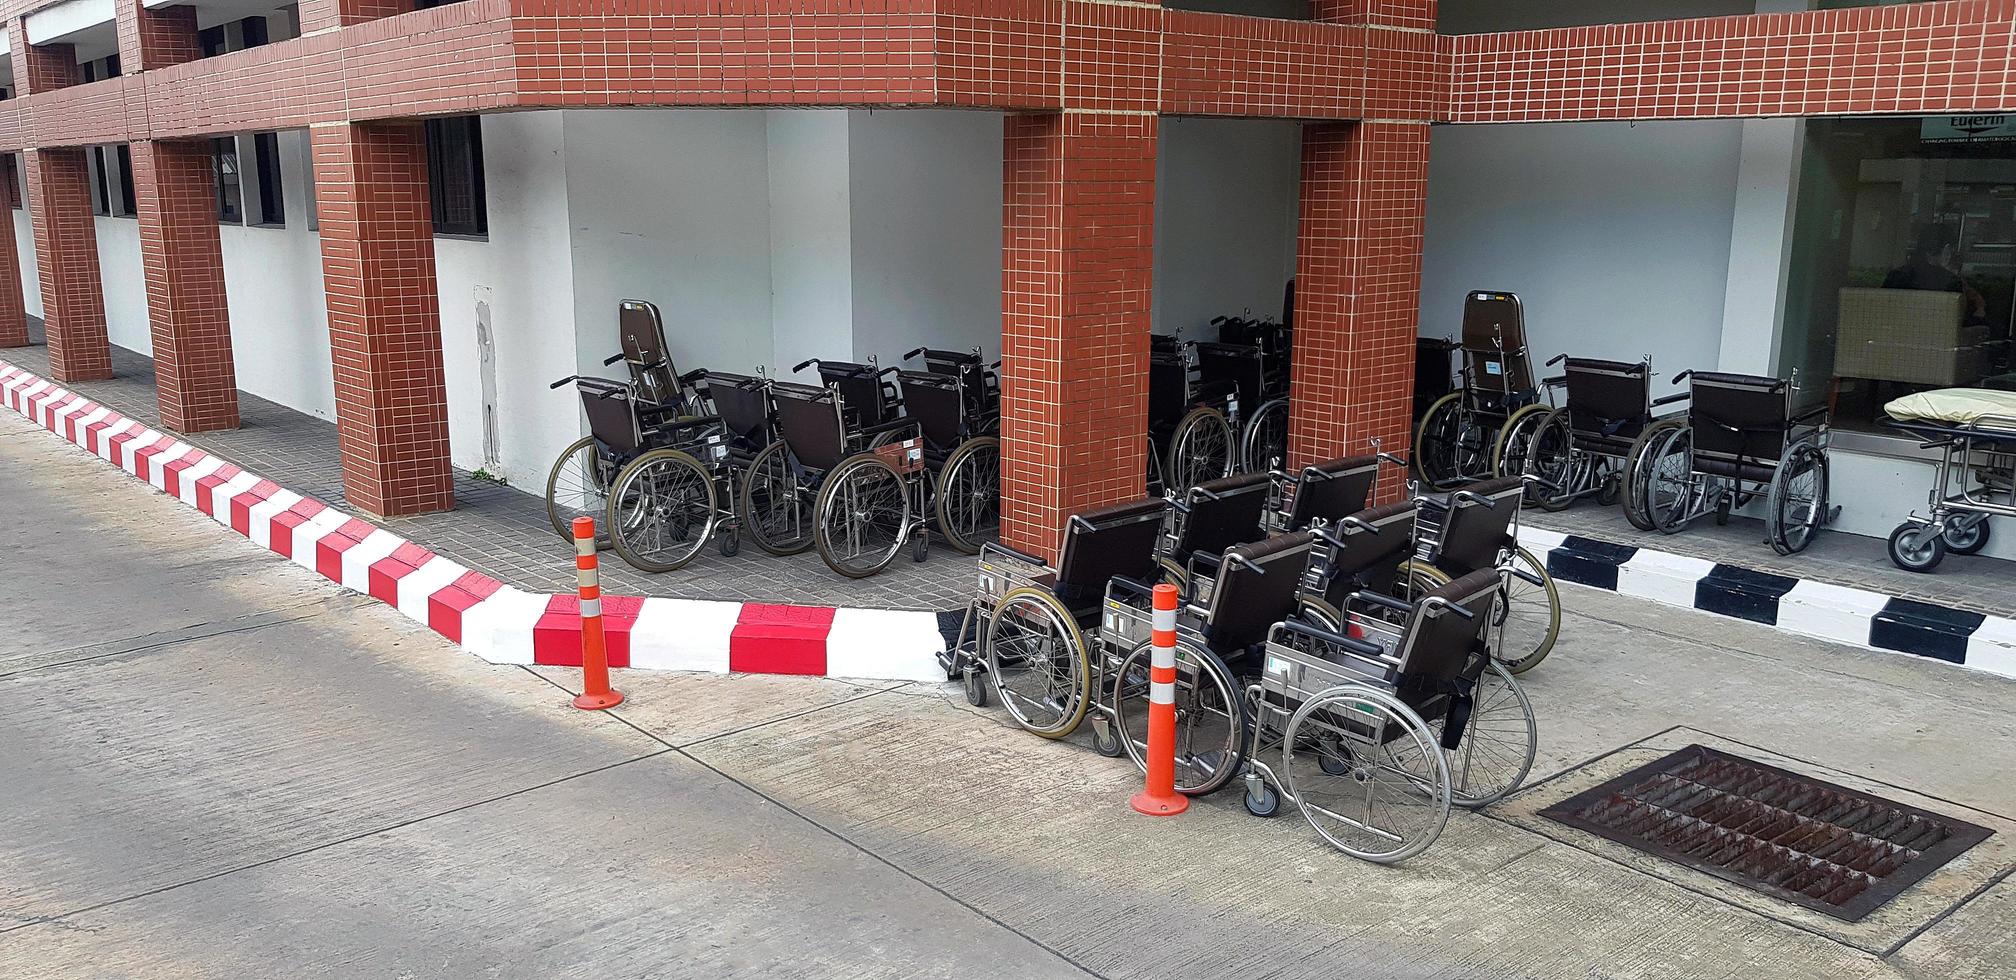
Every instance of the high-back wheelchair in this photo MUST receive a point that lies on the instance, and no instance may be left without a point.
(1582, 447)
(1455, 440)
(1743, 438)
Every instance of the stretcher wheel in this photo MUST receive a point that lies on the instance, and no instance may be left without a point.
(1263, 801)
(1916, 547)
(1966, 539)
(1210, 717)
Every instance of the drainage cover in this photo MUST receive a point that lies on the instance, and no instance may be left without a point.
(1823, 846)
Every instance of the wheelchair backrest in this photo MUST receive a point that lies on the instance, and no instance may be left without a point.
(1739, 416)
(744, 408)
(1114, 540)
(936, 403)
(1168, 386)
(1494, 343)
(1438, 644)
(1332, 490)
(1373, 552)
(1223, 513)
(970, 368)
(1473, 533)
(610, 418)
(808, 418)
(861, 392)
(1245, 604)
(1609, 398)
(1241, 368)
(644, 350)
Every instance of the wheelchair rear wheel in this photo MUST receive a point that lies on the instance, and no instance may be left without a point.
(774, 504)
(1497, 744)
(1038, 662)
(1265, 443)
(1637, 465)
(1210, 717)
(1669, 486)
(1529, 618)
(662, 511)
(578, 486)
(1199, 451)
(969, 495)
(1798, 504)
(1453, 444)
(1392, 798)
(1551, 457)
(863, 516)
(1515, 441)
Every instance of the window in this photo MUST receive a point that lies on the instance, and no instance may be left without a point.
(124, 154)
(1903, 274)
(224, 150)
(12, 173)
(455, 176)
(109, 170)
(102, 68)
(252, 31)
(212, 41)
(266, 160)
(101, 197)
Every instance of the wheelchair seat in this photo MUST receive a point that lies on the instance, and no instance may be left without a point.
(1331, 491)
(1477, 524)
(1223, 513)
(1376, 542)
(1246, 603)
(1100, 544)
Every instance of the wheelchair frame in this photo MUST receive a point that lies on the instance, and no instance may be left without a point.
(1584, 446)
(1454, 441)
(956, 406)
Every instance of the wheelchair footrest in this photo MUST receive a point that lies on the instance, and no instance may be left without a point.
(1924, 629)
(1742, 593)
(1588, 562)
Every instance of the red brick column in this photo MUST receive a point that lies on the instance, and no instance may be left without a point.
(1357, 287)
(1078, 256)
(13, 313)
(39, 69)
(1392, 13)
(322, 15)
(156, 37)
(66, 250)
(175, 189)
(384, 316)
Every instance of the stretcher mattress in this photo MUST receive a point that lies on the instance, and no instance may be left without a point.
(1956, 406)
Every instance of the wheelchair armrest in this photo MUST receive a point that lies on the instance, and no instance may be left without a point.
(692, 376)
(1015, 553)
(1135, 586)
(1555, 381)
(1362, 648)
(1378, 599)
(693, 423)
(1678, 396)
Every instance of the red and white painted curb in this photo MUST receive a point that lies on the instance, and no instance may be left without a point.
(501, 624)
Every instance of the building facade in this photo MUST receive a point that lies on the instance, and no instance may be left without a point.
(410, 220)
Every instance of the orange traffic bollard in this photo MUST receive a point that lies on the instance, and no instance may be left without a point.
(596, 693)
(1160, 798)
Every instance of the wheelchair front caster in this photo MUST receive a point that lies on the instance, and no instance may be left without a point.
(1105, 740)
(976, 688)
(1611, 491)
(920, 545)
(1261, 799)
(729, 544)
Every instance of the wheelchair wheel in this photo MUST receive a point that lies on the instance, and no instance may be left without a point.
(1262, 800)
(1798, 504)
(1635, 467)
(1210, 717)
(662, 511)
(1439, 441)
(1199, 451)
(1551, 457)
(1529, 618)
(774, 504)
(969, 495)
(1916, 547)
(1265, 444)
(1392, 800)
(1515, 440)
(1037, 661)
(578, 486)
(1498, 742)
(863, 517)
(1669, 488)
(1419, 578)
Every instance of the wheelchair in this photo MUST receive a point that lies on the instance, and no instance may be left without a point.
(1456, 438)
(1251, 362)
(666, 504)
(1209, 518)
(1582, 447)
(1742, 439)
(1383, 725)
(956, 407)
(840, 476)
(1191, 439)
(652, 411)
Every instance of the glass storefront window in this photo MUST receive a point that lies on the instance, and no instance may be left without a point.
(1903, 273)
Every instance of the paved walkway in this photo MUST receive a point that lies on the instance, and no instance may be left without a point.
(503, 530)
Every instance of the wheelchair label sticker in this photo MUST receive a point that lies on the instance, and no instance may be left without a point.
(1276, 665)
(1493, 367)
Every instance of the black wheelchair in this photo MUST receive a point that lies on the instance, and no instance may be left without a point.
(1190, 434)
(1251, 363)
(1385, 722)
(1458, 435)
(957, 410)
(1743, 438)
(1582, 448)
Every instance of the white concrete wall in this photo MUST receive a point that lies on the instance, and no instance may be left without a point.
(24, 247)
(125, 296)
(1225, 217)
(273, 283)
(811, 247)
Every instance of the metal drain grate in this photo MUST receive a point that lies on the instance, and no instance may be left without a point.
(1823, 846)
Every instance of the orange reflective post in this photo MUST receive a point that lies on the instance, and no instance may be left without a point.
(596, 693)
(1159, 798)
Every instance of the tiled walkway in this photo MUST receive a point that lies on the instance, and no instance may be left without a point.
(503, 530)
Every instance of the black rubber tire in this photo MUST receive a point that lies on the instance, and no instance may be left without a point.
(1633, 490)
(745, 504)
(829, 489)
(562, 524)
(1109, 746)
(1191, 427)
(1557, 425)
(1970, 543)
(660, 562)
(729, 543)
(976, 688)
(1924, 556)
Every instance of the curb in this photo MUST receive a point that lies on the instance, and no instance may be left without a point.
(494, 621)
(1856, 617)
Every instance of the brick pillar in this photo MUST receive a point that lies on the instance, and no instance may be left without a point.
(66, 250)
(1078, 253)
(1392, 13)
(175, 188)
(384, 316)
(40, 69)
(322, 15)
(1357, 287)
(13, 314)
(156, 37)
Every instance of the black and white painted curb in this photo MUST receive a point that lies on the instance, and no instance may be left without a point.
(1817, 609)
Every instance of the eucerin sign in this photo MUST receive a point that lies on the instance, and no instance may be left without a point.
(1968, 129)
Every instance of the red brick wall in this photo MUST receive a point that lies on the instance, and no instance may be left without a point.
(175, 190)
(1077, 248)
(151, 38)
(40, 68)
(384, 316)
(321, 15)
(1358, 287)
(66, 252)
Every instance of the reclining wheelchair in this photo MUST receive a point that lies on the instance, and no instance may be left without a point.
(1582, 447)
(1456, 438)
(956, 404)
(1742, 438)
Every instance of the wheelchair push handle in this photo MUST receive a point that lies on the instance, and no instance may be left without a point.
(1682, 376)
(802, 365)
(691, 377)
(1558, 358)
(1380, 599)
(563, 382)
(1359, 647)
(913, 354)
(1246, 563)
(1465, 496)
(1439, 605)
(611, 359)
(1392, 460)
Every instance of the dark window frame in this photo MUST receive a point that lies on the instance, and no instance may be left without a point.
(455, 181)
(230, 193)
(266, 174)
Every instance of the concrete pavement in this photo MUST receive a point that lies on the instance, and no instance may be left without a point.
(212, 768)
